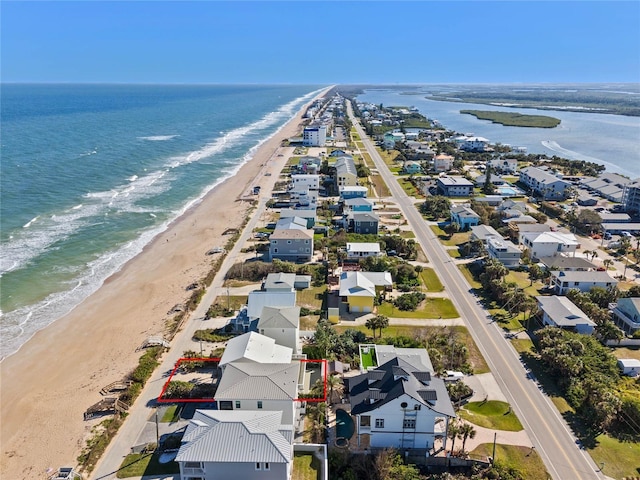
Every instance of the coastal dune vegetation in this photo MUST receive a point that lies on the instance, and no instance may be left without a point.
(514, 119)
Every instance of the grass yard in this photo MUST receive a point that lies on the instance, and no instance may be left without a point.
(621, 459)
(491, 414)
(388, 156)
(453, 240)
(305, 466)
(368, 357)
(140, 464)
(526, 461)
(429, 308)
(430, 280)
(171, 414)
(311, 297)
(454, 253)
(407, 234)
(626, 352)
(466, 272)
(409, 188)
(380, 186)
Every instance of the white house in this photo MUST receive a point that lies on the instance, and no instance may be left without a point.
(362, 250)
(550, 244)
(443, 163)
(219, 445)
(629, 366)
(314, 136)
(563, 313)
(504, 165)
(256, 348)
(474, 144)
(399, 403)
(483, 232)
(283, 325)
(564, 281)
(504, 251)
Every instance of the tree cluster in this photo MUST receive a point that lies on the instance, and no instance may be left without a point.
(436, 207)
(595, 304)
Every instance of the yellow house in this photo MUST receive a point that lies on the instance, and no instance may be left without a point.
(359, 289)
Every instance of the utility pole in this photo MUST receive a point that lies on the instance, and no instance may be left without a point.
(493, 455)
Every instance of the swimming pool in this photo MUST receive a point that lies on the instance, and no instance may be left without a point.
(344, 424)
(506, 191)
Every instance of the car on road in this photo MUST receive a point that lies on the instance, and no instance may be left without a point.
(625, 234)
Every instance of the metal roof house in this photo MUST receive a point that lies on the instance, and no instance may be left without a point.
(250, 445)
(563, 313)
(359, 289)
(399, 403)
(256, 348)
(283, 325)
(564, 281)
(626, 314)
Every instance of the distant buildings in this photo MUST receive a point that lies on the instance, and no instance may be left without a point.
(314, 136)
(548, 186)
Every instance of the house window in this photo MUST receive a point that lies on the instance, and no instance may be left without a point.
(365, 421)
(226, 405)
(259, 404)
(275, 242)
(275, 250)
(379, 422)
(409, 423)
(258, 466)
(266, 466)
(417, 406)
(237, 403)
(288, 242)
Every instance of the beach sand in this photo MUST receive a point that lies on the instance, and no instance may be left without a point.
(47, 386)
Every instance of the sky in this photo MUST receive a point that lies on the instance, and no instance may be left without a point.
(327, 42)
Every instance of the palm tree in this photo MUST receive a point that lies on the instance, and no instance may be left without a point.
(453, 432)
(335, 385)
(372, 324)
(467, 431)
(382, 322)
(607, 262)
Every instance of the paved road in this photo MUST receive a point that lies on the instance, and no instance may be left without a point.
(548, 431)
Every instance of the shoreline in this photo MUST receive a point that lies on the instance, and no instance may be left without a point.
(58, 373)
(89, 288)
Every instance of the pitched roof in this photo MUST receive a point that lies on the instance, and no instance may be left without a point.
(279, 317)
(291, 234)
(291, 223)
(563, 312)
(254, 347)
(363, 284)
(363, 247)
(561, 262)
(483, 231)
(580, 276)
(552, 237)
(393, 379)
(232, 436)
(258, 299)
(259, 381)
(280, 280)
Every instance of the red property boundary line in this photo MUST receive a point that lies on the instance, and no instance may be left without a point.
(180, 361)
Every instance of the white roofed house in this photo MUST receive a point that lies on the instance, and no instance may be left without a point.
(564, 281)
(504, 251)
(359, 289)
(399, 403)
(504, 165)
(550, 244)
(563, 313)
(362, 250)
(222, 445)
(254, 348)
(283, 325)
(483, 232)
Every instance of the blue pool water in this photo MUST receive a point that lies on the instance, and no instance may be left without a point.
(344, 424)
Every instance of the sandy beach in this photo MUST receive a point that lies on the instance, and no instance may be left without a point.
(58, 374)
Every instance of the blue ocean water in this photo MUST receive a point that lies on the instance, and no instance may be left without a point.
(91, 173)
(610, 140)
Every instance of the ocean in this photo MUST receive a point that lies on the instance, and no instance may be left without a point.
(90, 174)
(610, 140)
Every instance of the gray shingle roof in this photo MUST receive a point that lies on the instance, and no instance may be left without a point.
(279, 317)
(259, 381)
(236, 437)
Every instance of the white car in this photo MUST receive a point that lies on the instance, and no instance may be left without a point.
(452, 376)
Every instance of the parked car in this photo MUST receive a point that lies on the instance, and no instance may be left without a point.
(625, 234)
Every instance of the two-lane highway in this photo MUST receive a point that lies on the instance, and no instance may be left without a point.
(548, 431)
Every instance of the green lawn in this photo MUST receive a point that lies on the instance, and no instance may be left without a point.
(469, 276)
(453, 240)
(139, 464)
(409, 188)
(526, 461)
(380, 186)
(621, 459)
(453, 253)
(388, 156)
(305, 466)
(491, 414)
(368, 358)
(430, 280)
(171, 414)
(311, 297)
(407, 234)
(429, 308)
(514, 119)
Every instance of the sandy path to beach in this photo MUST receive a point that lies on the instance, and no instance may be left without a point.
(58, 374)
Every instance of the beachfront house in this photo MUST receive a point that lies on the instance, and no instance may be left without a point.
(359, 289)
(356, 251)
(291, 245)
(398, 402)
(314, 136)
(564, 281)
(544, 184)
(309, 214)
(357, 204)
(252, 445)
(454, 186)
(464, 216)
(285, 282)
(503, 251)
(626, 314)
(550, 244)
(256, 348)
(283, 325)
(563, 313)
(260, 386)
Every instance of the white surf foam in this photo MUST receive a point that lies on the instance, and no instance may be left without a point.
(158, 138)
(573, 155)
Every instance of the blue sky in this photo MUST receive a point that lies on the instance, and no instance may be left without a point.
(320, 42)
